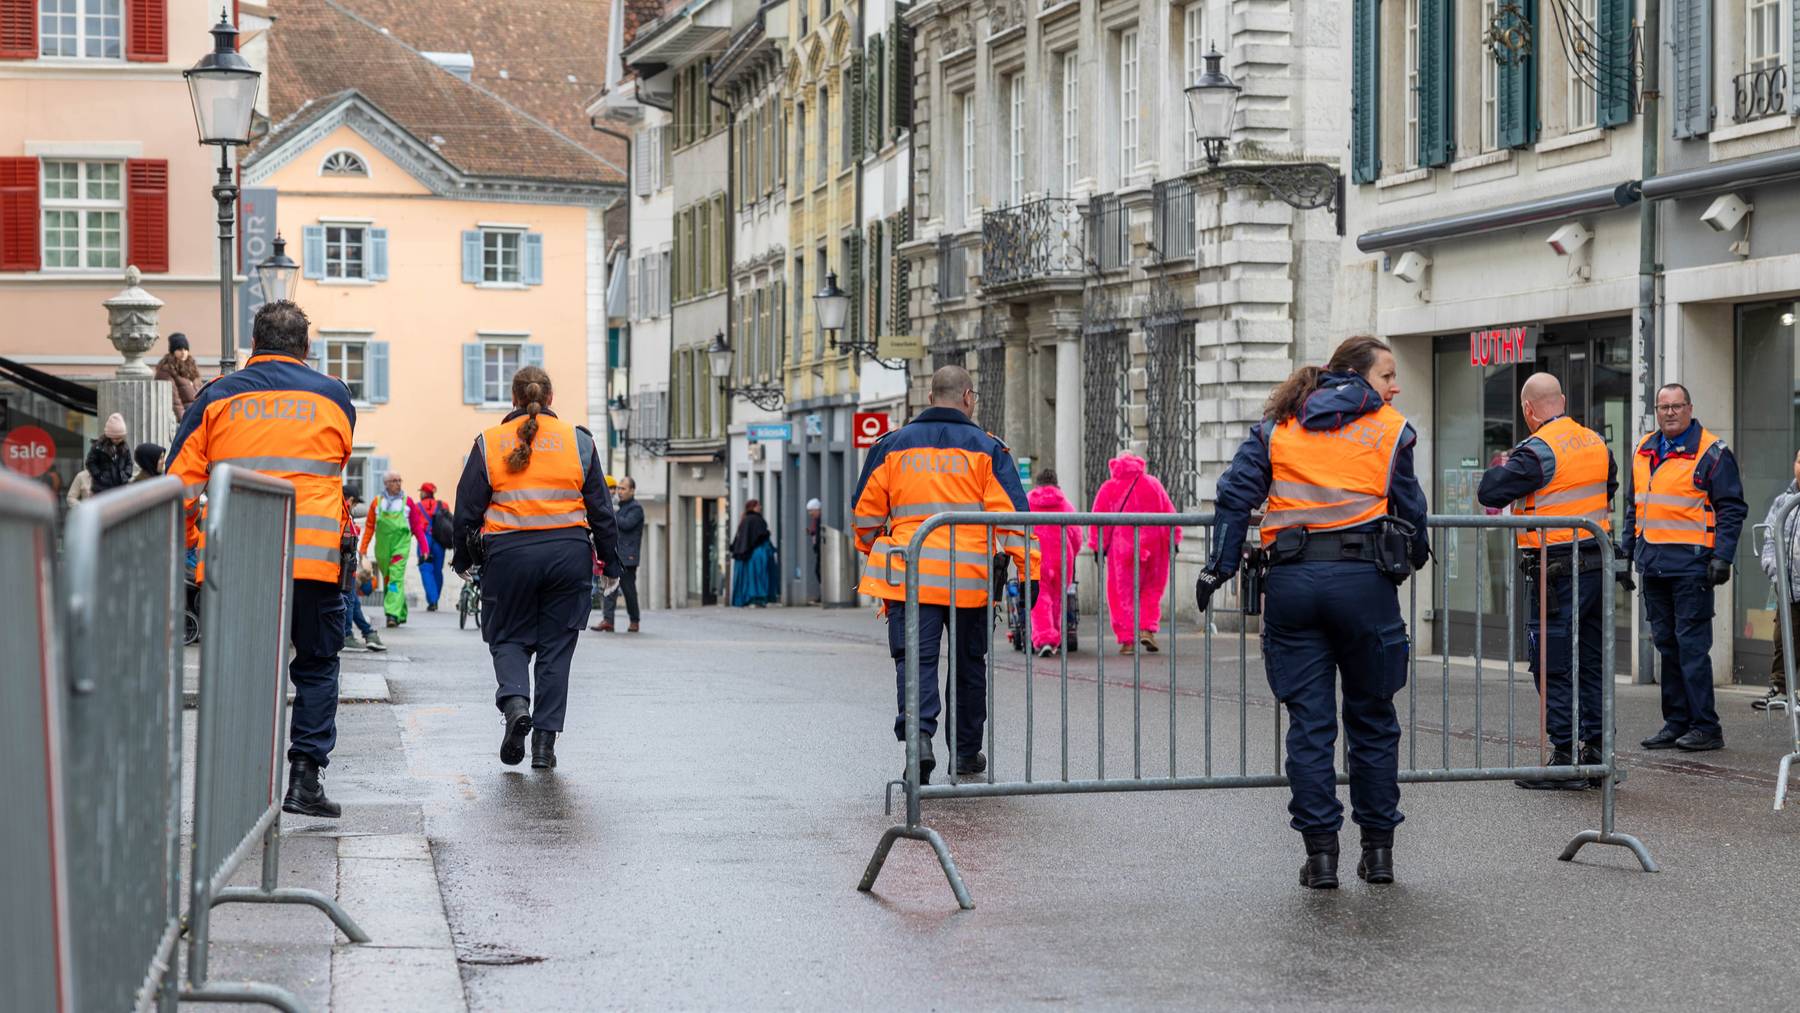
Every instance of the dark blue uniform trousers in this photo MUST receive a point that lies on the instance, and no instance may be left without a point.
(1557, 684)
(317, 634)
(1319, 620)
(535, 597)
(971, 670)
(1681, 612)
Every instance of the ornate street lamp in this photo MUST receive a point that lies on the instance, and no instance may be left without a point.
(1212, 107)
(719, 359)
(619, 413)
(832, 306)
(223, 89)
(277, 272)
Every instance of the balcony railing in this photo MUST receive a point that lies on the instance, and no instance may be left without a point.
(1174, 217)
(1108, 233)
(1038, 240)
(953, 269)
(1759, 93)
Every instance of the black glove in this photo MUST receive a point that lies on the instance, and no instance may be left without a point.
(1204, 586)
(1623, 574)
(1718, 571)
(997, 571)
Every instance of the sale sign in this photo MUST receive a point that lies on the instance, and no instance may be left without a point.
(28, 450)
(869, 427)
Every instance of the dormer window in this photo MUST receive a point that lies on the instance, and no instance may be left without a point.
(343, 163)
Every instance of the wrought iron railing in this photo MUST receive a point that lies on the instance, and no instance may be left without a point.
(1173, 203)
(1036, 240)
(1759, 93)
(1108, 233)
(953, 269)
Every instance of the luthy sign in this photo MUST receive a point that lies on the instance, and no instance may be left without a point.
(1503, 346)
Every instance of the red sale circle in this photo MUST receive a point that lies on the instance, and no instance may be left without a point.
(28, 450)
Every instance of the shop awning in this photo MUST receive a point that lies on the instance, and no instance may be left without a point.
(71, 395)
(1531, 212)
(1758, 170)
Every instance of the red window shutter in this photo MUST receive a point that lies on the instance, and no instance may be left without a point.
(18, 30)
(147, 31)
(19, 214)
(147, 214)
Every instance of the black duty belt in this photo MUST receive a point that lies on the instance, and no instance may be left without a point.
(1334, 547)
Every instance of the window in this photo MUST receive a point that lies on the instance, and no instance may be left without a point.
(1762, 41)
(967, 100)
(346, 360)
(799, 276)
(1015, 123)
(84, 215)
(344, 246)
(824, 166)
(1583, 101)
(1071, 121)
(1128, 102)
(87, 29)
(343, 163)
(819, 269)
(1490, 85)
(800, 143)
(500, 257)
(1411, 130)
(499, 361)
(1193, 61)
(356, 477)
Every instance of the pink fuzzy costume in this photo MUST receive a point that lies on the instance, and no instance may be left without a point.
(1059, 546)
(1133, 490)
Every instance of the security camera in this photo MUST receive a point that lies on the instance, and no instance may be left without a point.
(1725, 212)
(1569, 238)
(1411, 266)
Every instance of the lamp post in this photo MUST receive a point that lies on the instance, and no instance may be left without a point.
(277, 273)
(620, 413)
(223, 88)
(1212, 106)
(832, 305)
(719, 359)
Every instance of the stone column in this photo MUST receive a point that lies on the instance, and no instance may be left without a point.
(146, 403)
(1067, 323)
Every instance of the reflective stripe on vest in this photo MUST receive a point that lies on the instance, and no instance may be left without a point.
(1671, 510)
(1330, 479)
(547, 493)
(1577, 486)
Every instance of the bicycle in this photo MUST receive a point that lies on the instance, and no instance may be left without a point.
(469, 602)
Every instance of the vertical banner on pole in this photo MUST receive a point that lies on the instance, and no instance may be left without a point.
(256, 232)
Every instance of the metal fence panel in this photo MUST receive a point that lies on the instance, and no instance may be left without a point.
(34, 920)
(1784, 581)
(122, 633)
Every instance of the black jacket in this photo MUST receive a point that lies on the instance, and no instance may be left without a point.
(629, 518)
(752, 531)
(109, 463)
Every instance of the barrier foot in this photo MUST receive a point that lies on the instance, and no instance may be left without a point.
(1781, 779)
(1617, 840)
(930, 837)
(887, 807)
(289, 895)
(241, 992)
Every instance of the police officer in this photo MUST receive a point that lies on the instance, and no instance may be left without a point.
(941, 461)
(1344, 526)
(1682, 521)
(1563, 469)
(279, 416)
(531, 501)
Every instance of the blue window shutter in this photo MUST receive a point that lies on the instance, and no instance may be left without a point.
(1365, 92)
(378, 469)
(1691, 22)
(532, 255)
(377, 254)
(471, 244)
(1517, 100)
(1617, 69)
(531, 355)
(312, 251)
(1437, 83)
(472, 374)
(378, 372)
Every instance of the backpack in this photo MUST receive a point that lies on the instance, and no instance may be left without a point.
(442, 531)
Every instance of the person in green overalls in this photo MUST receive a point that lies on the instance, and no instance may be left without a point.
(395, 523)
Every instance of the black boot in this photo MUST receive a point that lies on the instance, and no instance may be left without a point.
(306, 792)
(927, 761)
(1320, 870)
(1377, 865)
(543, 749)
(518, 722)
(1559, 757)
(1590, 754)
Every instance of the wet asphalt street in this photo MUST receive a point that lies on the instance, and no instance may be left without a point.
(720, 792)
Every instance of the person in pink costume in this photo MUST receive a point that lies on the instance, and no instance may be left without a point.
(1059, 545)
(1132, 489)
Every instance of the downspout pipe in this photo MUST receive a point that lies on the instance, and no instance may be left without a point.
(1649, 271)
(630, 166)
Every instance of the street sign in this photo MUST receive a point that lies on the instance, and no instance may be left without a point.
(815, 425)
(900, 346)
(28, 450)
(257, 209)
(869, 427)
(1025, 470)
(769, 432)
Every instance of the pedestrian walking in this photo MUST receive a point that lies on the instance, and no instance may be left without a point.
(81, 487)
(815, 534)
(1788, 541)
(362, 582)
(628, 517)
(395, 524)
(1345, 526)
(941, 461)
(1563, 469)
(149, 460)
(1060, 544)
(1137, 559)
(179, 368)
(755, 572)
(281, 417)
(109, 459)
(436, 535)
(1682, 520)
(533, 510)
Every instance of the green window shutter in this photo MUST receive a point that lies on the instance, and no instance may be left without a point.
(878, 110)
(902, 88)
(853, 107)
(1517, 100)
(876, 279)
(1365, 92)
(1616, 70)
(1437, 83)
(1691, 22)
(853, 330)
(901, 268)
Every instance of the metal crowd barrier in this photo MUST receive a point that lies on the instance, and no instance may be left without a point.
(1031, 782)
(242, 718)
(1784, 569)
(34, 920)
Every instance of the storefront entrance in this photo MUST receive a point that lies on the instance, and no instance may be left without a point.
(1477, 418)
(1767, 431)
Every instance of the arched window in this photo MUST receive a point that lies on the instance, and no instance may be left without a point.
(343, 163)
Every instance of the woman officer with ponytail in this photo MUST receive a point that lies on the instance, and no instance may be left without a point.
(531, 502)
(1344, 525)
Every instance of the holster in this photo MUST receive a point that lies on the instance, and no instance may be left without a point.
(1561, 564)
(347, 564)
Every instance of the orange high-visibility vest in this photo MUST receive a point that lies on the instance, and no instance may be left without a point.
(547, 494)
(1331, 479)
(1577, 486)
(1671, 509)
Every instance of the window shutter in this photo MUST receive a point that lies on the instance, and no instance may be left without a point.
(1794, 60)
(472, 373)
(471, 257)
(1617, 70)
(667, 152)
(532, 253)
(662, 284)
(902, 276)
(640, 164)
(1365, 92)
(1691, 40)
(18, 29)
(147, 214)
(779, 337)
(875, 278)
(531, 355)
(147, 31)
(378, 469)
(378, 371)
(378, 255)
(312, 251)
(854, 326)
(855, 116)
(873, 111)
(19, 212)
(1437, 83)
(902, 88)
(1517, 100)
